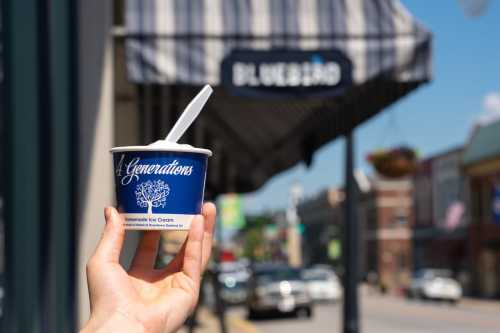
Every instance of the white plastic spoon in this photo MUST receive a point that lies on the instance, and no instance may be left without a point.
(189, 114)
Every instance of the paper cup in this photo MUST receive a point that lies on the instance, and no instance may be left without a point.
(159, 189)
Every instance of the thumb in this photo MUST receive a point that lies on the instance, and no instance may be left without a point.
(111, 243)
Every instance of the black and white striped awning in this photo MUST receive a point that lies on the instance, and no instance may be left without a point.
(185, 41)
(182, 44)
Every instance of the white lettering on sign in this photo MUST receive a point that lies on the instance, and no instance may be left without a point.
(286, 74)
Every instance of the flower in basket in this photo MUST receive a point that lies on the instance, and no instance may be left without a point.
(394, 163)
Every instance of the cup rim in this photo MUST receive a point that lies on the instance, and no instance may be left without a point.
(170, 149)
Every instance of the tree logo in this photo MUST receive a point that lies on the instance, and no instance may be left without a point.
(152, 194)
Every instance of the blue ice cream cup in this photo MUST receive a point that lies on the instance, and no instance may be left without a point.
(160, 186)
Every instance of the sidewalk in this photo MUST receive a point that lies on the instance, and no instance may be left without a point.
(208, 323)
(482, 304)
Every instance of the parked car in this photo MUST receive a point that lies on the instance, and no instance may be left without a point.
(278, 288)
(436, 284)
(233, 279)
(322, 284)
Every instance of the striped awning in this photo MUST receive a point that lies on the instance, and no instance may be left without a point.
(181, 44)
(185, 41)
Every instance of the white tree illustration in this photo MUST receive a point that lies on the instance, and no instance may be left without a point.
(152, 194)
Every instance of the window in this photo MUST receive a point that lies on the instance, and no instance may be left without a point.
(400, 220)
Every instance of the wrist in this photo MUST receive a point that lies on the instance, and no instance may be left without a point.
(117, 322)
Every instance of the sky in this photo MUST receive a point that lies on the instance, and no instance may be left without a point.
(436, 117)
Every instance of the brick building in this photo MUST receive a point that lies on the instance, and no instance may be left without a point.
(387, 218)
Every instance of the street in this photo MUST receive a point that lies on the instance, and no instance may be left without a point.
(388, 314)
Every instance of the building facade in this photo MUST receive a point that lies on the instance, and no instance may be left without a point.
(385, 215)
(322, 218)
(441, 214)
(482, 165)
(388, 219)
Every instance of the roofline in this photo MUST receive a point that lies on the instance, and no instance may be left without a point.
(449, 151)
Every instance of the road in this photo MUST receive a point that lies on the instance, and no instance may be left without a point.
(389, 314)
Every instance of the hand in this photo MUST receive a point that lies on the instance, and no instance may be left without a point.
(146, 299)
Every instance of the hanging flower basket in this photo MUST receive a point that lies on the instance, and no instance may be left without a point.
(394, 163)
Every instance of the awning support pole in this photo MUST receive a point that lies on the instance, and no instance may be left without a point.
(350, 243)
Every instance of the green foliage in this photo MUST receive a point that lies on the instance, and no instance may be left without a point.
(255, 246)
(257, 222)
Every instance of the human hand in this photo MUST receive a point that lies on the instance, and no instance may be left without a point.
(146, 299)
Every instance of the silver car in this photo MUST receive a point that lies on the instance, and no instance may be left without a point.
(278, 288)
(435, 284)
(323, 284)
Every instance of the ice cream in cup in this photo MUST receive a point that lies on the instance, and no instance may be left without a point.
(161, 186)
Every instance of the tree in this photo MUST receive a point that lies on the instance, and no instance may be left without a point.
(152, 194)
(255, 246)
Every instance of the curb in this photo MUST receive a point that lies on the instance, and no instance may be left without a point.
(242, 324)
(208, 323)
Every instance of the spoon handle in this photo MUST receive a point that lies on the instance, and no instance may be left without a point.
(189, 114)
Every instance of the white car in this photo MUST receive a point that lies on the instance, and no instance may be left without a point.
(436, 284)
(322, 284)
(278, 288)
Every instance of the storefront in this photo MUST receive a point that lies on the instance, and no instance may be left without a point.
(482, 165)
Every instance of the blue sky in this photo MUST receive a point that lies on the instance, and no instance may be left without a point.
(434, 118)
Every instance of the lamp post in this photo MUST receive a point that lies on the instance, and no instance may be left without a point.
(350, 244)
